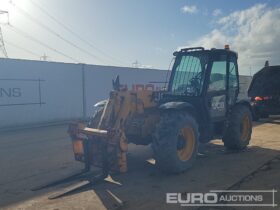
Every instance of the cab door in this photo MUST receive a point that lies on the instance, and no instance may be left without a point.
(216, 92)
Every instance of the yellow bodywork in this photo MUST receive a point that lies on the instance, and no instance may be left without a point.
(122, 108)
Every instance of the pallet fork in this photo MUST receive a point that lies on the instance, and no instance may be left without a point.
(86, 174)
(106, 144)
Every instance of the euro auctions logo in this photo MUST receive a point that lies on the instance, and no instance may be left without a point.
(192, 198)
(263, 198)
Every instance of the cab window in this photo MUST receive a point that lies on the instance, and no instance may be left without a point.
(232, 75)
(218, 76)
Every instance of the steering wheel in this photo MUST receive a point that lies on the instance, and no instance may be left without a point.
(195, 82)
(192, 87)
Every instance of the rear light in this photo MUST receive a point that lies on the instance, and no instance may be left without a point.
(258, 98)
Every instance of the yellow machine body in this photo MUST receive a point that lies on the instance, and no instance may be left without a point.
(128, 116)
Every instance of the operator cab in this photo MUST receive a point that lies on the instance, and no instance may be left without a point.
(205, 81)
(211, 74)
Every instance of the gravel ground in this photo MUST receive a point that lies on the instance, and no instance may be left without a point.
(32, 157)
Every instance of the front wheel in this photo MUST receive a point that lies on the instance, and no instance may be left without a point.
(239, 130)
(175, 142)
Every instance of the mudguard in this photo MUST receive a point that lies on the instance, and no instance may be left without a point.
(247, 103)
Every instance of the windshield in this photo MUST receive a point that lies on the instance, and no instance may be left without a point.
(188, 74)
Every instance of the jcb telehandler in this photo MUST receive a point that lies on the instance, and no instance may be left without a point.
(200, 104)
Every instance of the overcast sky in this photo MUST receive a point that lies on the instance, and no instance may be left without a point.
(121, 32)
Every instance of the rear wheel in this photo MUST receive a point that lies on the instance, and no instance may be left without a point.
(239, 130)
(175, 142)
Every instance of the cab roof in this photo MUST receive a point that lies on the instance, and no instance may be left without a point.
(198, 49)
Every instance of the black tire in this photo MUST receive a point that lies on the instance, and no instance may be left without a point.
(174, 153)
(239, 130)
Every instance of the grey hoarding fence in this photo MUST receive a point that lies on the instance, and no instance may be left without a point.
(33, 92)
(38, 92)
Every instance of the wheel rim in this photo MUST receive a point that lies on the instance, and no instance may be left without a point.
(245, 128)
(185, 144)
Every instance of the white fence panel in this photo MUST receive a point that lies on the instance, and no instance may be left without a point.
(244, 82)
(37, 92)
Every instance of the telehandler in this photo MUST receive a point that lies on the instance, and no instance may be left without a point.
(199, 104)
